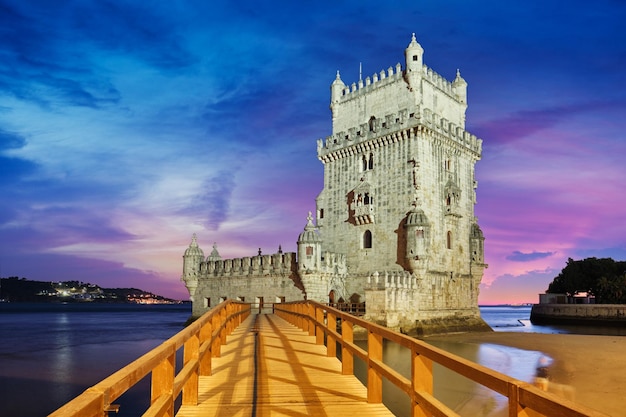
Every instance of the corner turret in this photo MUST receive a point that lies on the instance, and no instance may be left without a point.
(191, 264)
(477, 245)
(309, 248)
(413, 55)
(417, 240)
(459, 87)
(336, 91)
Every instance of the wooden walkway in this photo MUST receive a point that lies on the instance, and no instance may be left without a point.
(290, 376)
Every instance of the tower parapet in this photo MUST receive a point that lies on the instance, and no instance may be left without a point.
(260, 265)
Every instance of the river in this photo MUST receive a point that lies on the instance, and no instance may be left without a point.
(51, 353)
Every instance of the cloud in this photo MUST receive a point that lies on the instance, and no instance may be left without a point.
(525, 123)
(212, 202)
(528, 257)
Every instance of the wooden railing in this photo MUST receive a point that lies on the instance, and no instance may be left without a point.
(321, 321)
(200, 341)
(356, 309)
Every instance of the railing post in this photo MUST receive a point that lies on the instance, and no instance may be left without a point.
(304, 323)
(347, 360)
(227, 320)
(311, 318)
(206, 332)
(421, 379)
(217, 344)
(223, 327)
(331, 342)
(191, 352)
(319, 326)
(163, 380)
(374, 380)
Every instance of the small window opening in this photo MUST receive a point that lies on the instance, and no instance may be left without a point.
(367, 240)
(371, 162)
(414, 57)
(449, 240)
(372, 124)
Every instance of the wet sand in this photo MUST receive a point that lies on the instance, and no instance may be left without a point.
(592, 369)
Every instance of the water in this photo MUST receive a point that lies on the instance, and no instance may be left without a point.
(517, 319)
(51, 353)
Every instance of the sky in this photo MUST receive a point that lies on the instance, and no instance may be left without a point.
(127, 126)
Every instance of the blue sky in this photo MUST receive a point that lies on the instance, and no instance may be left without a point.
(126, 127)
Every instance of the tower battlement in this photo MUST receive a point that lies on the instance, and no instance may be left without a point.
(260, 265)
(396, 126)
(391, 75)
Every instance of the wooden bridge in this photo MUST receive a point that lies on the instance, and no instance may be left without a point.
(235, 363)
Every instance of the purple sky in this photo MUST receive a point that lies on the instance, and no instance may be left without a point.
(125, 128)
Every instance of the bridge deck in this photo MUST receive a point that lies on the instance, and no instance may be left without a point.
(294, 377)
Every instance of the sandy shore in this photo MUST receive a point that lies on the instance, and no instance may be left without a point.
(593, 366)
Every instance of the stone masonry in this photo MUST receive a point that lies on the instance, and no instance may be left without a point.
(394, 224)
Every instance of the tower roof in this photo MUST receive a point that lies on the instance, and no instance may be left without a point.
(310, 234)
(416, 217)
(194, 249)
(215, 255)
(414, 44)
(459, 80)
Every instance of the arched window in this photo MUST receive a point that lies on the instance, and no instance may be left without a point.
(364, 163)
(372, 124)
(449, 240)
(367, 240)
(371, 162)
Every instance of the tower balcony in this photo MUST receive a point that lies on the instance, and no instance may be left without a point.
(364, 214)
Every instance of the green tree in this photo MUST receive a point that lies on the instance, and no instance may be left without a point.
(612, 290)
(603, 278)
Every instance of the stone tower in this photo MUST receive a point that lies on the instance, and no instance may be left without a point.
(399, 195)
(394, 223)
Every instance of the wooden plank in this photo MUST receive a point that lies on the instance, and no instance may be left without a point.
(296, 377)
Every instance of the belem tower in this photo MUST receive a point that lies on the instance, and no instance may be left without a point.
(394, 225)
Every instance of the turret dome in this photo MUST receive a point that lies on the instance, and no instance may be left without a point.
(309, 235)
(215, 255)
(416, 217)
(194, 249)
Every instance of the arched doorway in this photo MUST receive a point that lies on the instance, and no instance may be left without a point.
(331, 297)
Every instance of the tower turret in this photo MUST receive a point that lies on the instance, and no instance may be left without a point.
(413, 55)
(336, 91)
(477, 245)
(309, 248)
(191, 265)
(459, 86)
(417, 240)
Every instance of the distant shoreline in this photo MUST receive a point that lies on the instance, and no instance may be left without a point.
(579, 314)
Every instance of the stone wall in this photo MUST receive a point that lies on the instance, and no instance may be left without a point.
(582, 314)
